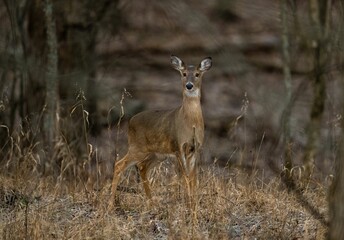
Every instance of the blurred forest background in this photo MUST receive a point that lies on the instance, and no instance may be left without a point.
(73, 72)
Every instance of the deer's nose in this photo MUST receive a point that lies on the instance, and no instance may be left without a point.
(189, 85)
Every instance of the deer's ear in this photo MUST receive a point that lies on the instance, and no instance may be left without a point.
(205, 64)
(177, 63)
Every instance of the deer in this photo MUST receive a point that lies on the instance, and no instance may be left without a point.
(178, 132)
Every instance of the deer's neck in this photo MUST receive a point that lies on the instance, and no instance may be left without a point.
(191, 111)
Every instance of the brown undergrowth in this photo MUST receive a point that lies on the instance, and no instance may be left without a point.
(33, 207)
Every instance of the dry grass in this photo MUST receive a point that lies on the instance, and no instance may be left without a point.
(73, 204)
(34, 207)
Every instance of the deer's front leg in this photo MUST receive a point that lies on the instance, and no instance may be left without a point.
(187, 159)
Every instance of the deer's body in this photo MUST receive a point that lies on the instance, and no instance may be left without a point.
(148, 131)
(179, 131)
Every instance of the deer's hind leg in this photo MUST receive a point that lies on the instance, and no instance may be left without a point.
(127, 161)
(144, 167)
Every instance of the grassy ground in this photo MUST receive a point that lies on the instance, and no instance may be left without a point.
(230, 206)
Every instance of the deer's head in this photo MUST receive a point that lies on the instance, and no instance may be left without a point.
(191, 76)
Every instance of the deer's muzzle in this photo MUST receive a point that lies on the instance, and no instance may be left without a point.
(189, 85)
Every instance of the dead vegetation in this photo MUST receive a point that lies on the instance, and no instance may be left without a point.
(231, 204)
(59, 189)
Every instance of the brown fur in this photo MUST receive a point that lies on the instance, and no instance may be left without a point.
(179, 131)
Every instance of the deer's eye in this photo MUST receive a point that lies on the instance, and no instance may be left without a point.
(184, 74)
(197, 75)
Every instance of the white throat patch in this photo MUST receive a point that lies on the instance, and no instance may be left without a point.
(194, 93)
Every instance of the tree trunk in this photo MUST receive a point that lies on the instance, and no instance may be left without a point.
(51, 99)
(287, 81)
(17, 19)
(336, 206)
(319, 11)
(336, 196)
